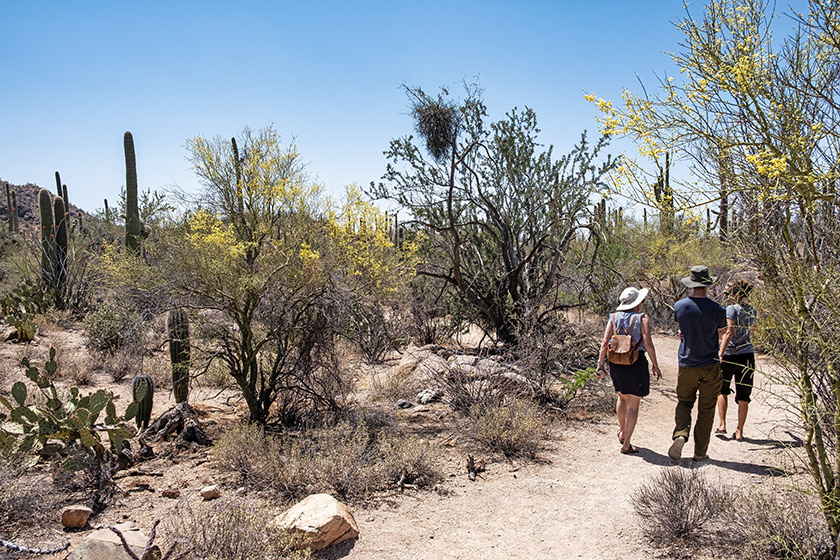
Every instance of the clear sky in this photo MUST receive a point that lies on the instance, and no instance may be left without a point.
(74, 76)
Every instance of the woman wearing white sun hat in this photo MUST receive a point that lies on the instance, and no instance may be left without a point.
(631, 382)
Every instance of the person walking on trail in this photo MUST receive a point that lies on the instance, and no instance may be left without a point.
(737, 359)
(631, 381)
(702, 321)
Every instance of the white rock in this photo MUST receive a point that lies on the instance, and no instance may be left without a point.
(75, 517)
(321, 520)
(211, 492)
(104, 544)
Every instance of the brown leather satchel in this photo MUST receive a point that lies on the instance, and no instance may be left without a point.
(622, 350)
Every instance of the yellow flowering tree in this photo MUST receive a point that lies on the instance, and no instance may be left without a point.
(255, 251)
(757, 117)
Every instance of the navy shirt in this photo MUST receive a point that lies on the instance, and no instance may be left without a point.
(699, 320)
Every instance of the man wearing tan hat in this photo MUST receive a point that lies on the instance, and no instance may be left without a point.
(702, 321)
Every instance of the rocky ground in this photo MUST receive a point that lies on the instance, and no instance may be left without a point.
(574, 502)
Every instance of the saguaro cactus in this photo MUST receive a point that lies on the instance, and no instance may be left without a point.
(47, 237)
(14, 212)
(60, 263)
(178, 327)
(107, 213)
(132, 210)
(143, 391)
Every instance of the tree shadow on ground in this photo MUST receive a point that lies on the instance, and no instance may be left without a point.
(654, 458)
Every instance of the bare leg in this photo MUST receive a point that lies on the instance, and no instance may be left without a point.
(722, 405)
(743, 408)
(621, 413)
(631, 415)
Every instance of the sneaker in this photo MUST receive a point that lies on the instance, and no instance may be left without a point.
(675, 452)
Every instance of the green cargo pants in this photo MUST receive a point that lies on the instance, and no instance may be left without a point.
(705, 381)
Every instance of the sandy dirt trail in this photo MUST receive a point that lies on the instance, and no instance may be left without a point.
(577, 504)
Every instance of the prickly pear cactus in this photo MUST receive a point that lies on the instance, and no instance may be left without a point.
(142, 391)
(178, 327)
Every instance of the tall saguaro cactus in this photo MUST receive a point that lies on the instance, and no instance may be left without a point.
(60, 263)
(178, 327)
(47, 237)
(132, 210)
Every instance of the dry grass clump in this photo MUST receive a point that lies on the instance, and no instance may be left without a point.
(678, 505)
(231, 529)
(515, 427)
(777, 524)
(345, 460)
(23, 501)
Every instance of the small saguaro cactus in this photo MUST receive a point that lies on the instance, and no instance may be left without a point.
(107, 213)
(14, 213)
(178, 327)
(132, 210)
(143, 391)
(47, 237)
(9, 206)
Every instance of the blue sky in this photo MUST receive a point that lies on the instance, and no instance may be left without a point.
(76, 75)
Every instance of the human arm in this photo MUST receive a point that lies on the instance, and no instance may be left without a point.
(726, 335)
(651, 351)
(602, 353)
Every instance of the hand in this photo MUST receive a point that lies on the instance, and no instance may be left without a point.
(656, 372)
(602, 367)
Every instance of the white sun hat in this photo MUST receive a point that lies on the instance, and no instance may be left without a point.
(631, 297)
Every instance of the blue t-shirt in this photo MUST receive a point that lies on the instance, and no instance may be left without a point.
(699, 320)
(743, 315)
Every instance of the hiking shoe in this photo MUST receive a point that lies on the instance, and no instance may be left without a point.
(675, 452)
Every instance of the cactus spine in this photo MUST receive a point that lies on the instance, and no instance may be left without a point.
(143, 391)
(60, 263)
(47, 238)
(178, 327)
(132, 211)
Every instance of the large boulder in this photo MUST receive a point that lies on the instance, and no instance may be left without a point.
(320, 520)
(104, 544)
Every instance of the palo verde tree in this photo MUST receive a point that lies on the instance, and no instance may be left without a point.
(758, 116)
(498, 210)
(251, 251)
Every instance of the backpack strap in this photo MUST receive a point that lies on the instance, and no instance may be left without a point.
(626, 331)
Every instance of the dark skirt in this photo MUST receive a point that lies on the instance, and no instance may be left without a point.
(633, 379)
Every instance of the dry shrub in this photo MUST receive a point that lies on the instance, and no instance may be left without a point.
(777, 524)
(230, 529)
(597, 397)
(23, 501)
(678, 505)
(469, 387)
(401, 382)
(515, 427)
(76, 366)
(110, 327)
(344, 459)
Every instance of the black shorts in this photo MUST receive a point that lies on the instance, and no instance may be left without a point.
(633, 379)
(740, 367)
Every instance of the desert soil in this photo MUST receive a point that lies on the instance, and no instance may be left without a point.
(575, 502)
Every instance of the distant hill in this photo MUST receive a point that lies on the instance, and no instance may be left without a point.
(27, 203)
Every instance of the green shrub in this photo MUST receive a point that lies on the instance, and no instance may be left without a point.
(515, 427)
(111, 327)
